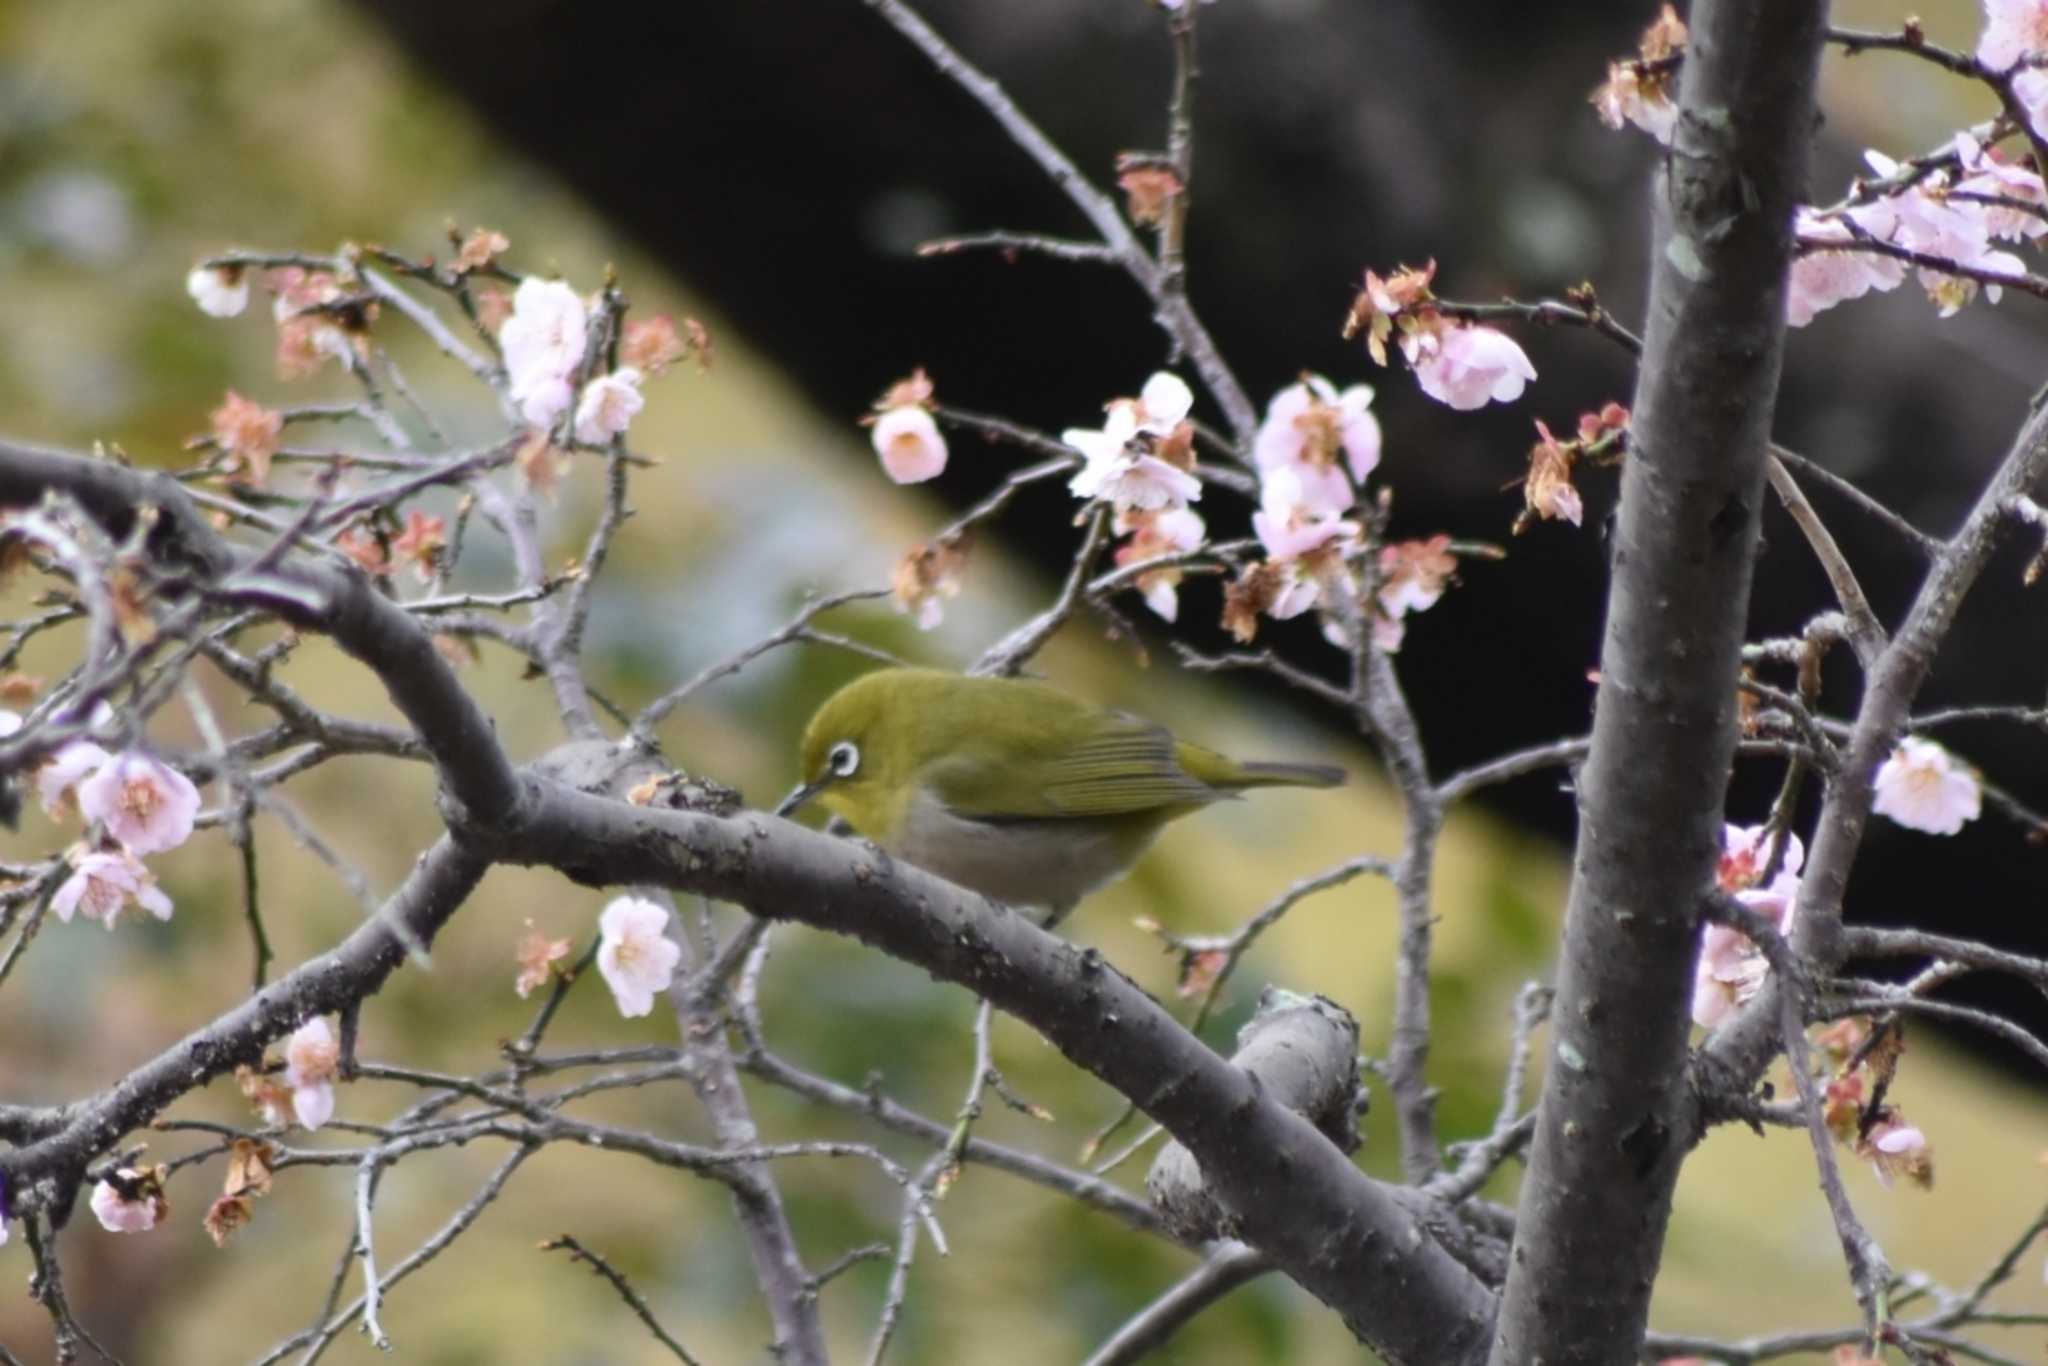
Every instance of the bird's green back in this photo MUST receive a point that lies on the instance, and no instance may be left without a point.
(1014, 749)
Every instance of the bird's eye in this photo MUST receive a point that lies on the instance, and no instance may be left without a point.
(842, 759)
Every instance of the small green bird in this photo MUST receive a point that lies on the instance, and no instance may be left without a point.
(1008, 787)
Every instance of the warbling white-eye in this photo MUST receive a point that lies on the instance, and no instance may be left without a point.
(1008, 787)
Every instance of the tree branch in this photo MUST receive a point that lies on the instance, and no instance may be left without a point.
(1296, 1197)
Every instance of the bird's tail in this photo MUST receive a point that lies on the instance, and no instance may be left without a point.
(1266, 774)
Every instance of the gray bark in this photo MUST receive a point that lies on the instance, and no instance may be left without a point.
(1615, 1119)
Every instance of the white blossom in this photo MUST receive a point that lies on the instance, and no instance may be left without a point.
(1924, 787)
(638, 960)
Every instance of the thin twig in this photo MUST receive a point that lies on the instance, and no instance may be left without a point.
(1866, 633)
(1224, 1270)
(1015, 650)
(1173, 311)
(655, 712)
(1928, 546)
(1010, 243)
(562, 1242)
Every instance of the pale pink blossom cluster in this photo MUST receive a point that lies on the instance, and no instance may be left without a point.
(1311, 447)
(1320, 434)
(1924, 787)
(608, 406)
(1942, 214)
(1141, 462)
(140, 805)
(1820, 278)
(2016, 31)
(1460, 364)
(303, 305)
(1158, 535)
(638, 960)
(1141, 458)
(1731, 967)
(1308, 547)
(1412, 577)
(1314, 450)
(543, 341)
(312, 1058)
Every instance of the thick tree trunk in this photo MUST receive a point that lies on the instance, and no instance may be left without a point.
(1613, 1123)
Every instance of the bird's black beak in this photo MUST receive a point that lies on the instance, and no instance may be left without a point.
(800, 794)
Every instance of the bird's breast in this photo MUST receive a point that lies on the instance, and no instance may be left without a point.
(1028, 862)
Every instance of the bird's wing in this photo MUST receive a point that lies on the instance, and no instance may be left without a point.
(1123, 767)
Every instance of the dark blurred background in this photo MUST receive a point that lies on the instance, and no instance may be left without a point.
(789, 160)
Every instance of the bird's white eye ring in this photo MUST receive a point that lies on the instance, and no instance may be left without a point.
(843, 759)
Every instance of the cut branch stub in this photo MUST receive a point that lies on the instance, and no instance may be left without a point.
(1303, 1052)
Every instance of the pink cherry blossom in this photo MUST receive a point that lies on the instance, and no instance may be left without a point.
(220, 291)
(142, 801)
(543, 344)
(1924, 218)
(1745, 851)
(1779, 899)
(1924, 787)
(1307, 547)
(1309, 425)
(1414, 574)
(1289, 524)
(312, 1058)
(1134, 480)
(1639, 91)
(1987, 175)
(608, 405)
(1897, 1149)
(64, 770)
(1728, 972)
(637, 959)
(118, 1214)
(2013, 29)
(1300, 590)
(1412, 578)
(908, 441)
(1730, 967)
(1142, 456)
(2030, 88)
(1465, 366)
(925, 578)
(543, 398)
(1121, 471)
(1164, 403)
(101, 884)
(1155, 534)
(1821, 279)
(307, 336)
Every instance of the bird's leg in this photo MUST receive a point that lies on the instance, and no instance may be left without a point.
(1055, 913)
